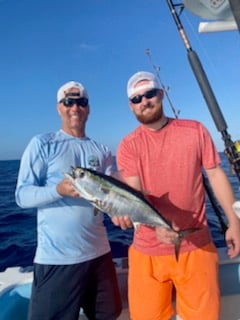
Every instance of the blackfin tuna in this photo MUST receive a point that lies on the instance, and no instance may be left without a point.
(116, 198)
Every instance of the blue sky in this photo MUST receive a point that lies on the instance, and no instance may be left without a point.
(101, 43)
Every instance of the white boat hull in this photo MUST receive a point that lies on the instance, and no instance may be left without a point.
(15, 290)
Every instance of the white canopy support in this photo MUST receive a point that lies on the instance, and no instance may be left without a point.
(217, 26)
(210, 9)
(225, 14)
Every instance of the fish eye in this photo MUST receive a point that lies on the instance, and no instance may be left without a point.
(81, 174)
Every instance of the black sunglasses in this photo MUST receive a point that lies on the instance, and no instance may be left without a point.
(69, 102)
(149, 94)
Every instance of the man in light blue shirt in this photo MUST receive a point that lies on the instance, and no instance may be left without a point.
(73, 265)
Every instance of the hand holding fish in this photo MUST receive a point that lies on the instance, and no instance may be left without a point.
(165, 235)
(124, 222)
(65, 188)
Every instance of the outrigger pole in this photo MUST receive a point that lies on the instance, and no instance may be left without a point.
(232, 150)
(235, 7)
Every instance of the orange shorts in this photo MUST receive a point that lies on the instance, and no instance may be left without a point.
(194, 275)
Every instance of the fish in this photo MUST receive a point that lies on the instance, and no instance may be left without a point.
(116, 198)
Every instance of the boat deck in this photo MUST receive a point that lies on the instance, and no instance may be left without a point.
(16, 285)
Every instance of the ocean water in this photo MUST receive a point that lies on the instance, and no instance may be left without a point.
(18, 226)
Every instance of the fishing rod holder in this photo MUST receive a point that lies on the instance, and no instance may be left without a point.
(232, 152)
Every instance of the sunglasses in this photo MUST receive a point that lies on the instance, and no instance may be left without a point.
(149, 94)
(69, 102)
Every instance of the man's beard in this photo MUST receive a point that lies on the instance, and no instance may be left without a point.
(150, 118)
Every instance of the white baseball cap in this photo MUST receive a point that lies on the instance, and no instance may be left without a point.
(61, 94)
(153, 82)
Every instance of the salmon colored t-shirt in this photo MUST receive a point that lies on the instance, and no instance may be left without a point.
(170, 164)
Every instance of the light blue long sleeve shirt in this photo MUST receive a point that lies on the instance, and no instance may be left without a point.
(68, 230)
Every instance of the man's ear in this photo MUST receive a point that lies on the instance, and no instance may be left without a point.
(58, 109)
(130, 107)
(161, 93)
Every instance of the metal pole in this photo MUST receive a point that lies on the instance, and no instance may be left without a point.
(197, 68)
(235, 7)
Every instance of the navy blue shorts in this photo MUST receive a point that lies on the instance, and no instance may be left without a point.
(58, 292)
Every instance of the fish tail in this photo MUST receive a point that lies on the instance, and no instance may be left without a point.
(178, 240)
(177, 244)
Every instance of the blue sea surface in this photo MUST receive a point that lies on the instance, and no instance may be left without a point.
(18, 226)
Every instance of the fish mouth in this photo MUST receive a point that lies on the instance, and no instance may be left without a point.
(76, 172)
(71, 175)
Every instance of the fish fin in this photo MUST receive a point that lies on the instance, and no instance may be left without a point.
(102, 206)
(105, 189)
(178, 240)
(96, 211)
(177, 244)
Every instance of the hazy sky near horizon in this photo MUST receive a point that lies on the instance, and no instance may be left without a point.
(101, 44)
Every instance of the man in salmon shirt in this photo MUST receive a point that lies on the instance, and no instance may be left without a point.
(166, 157)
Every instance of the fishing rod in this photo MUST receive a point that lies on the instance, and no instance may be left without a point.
(165, 89)
(206, 184)
(232, 149)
